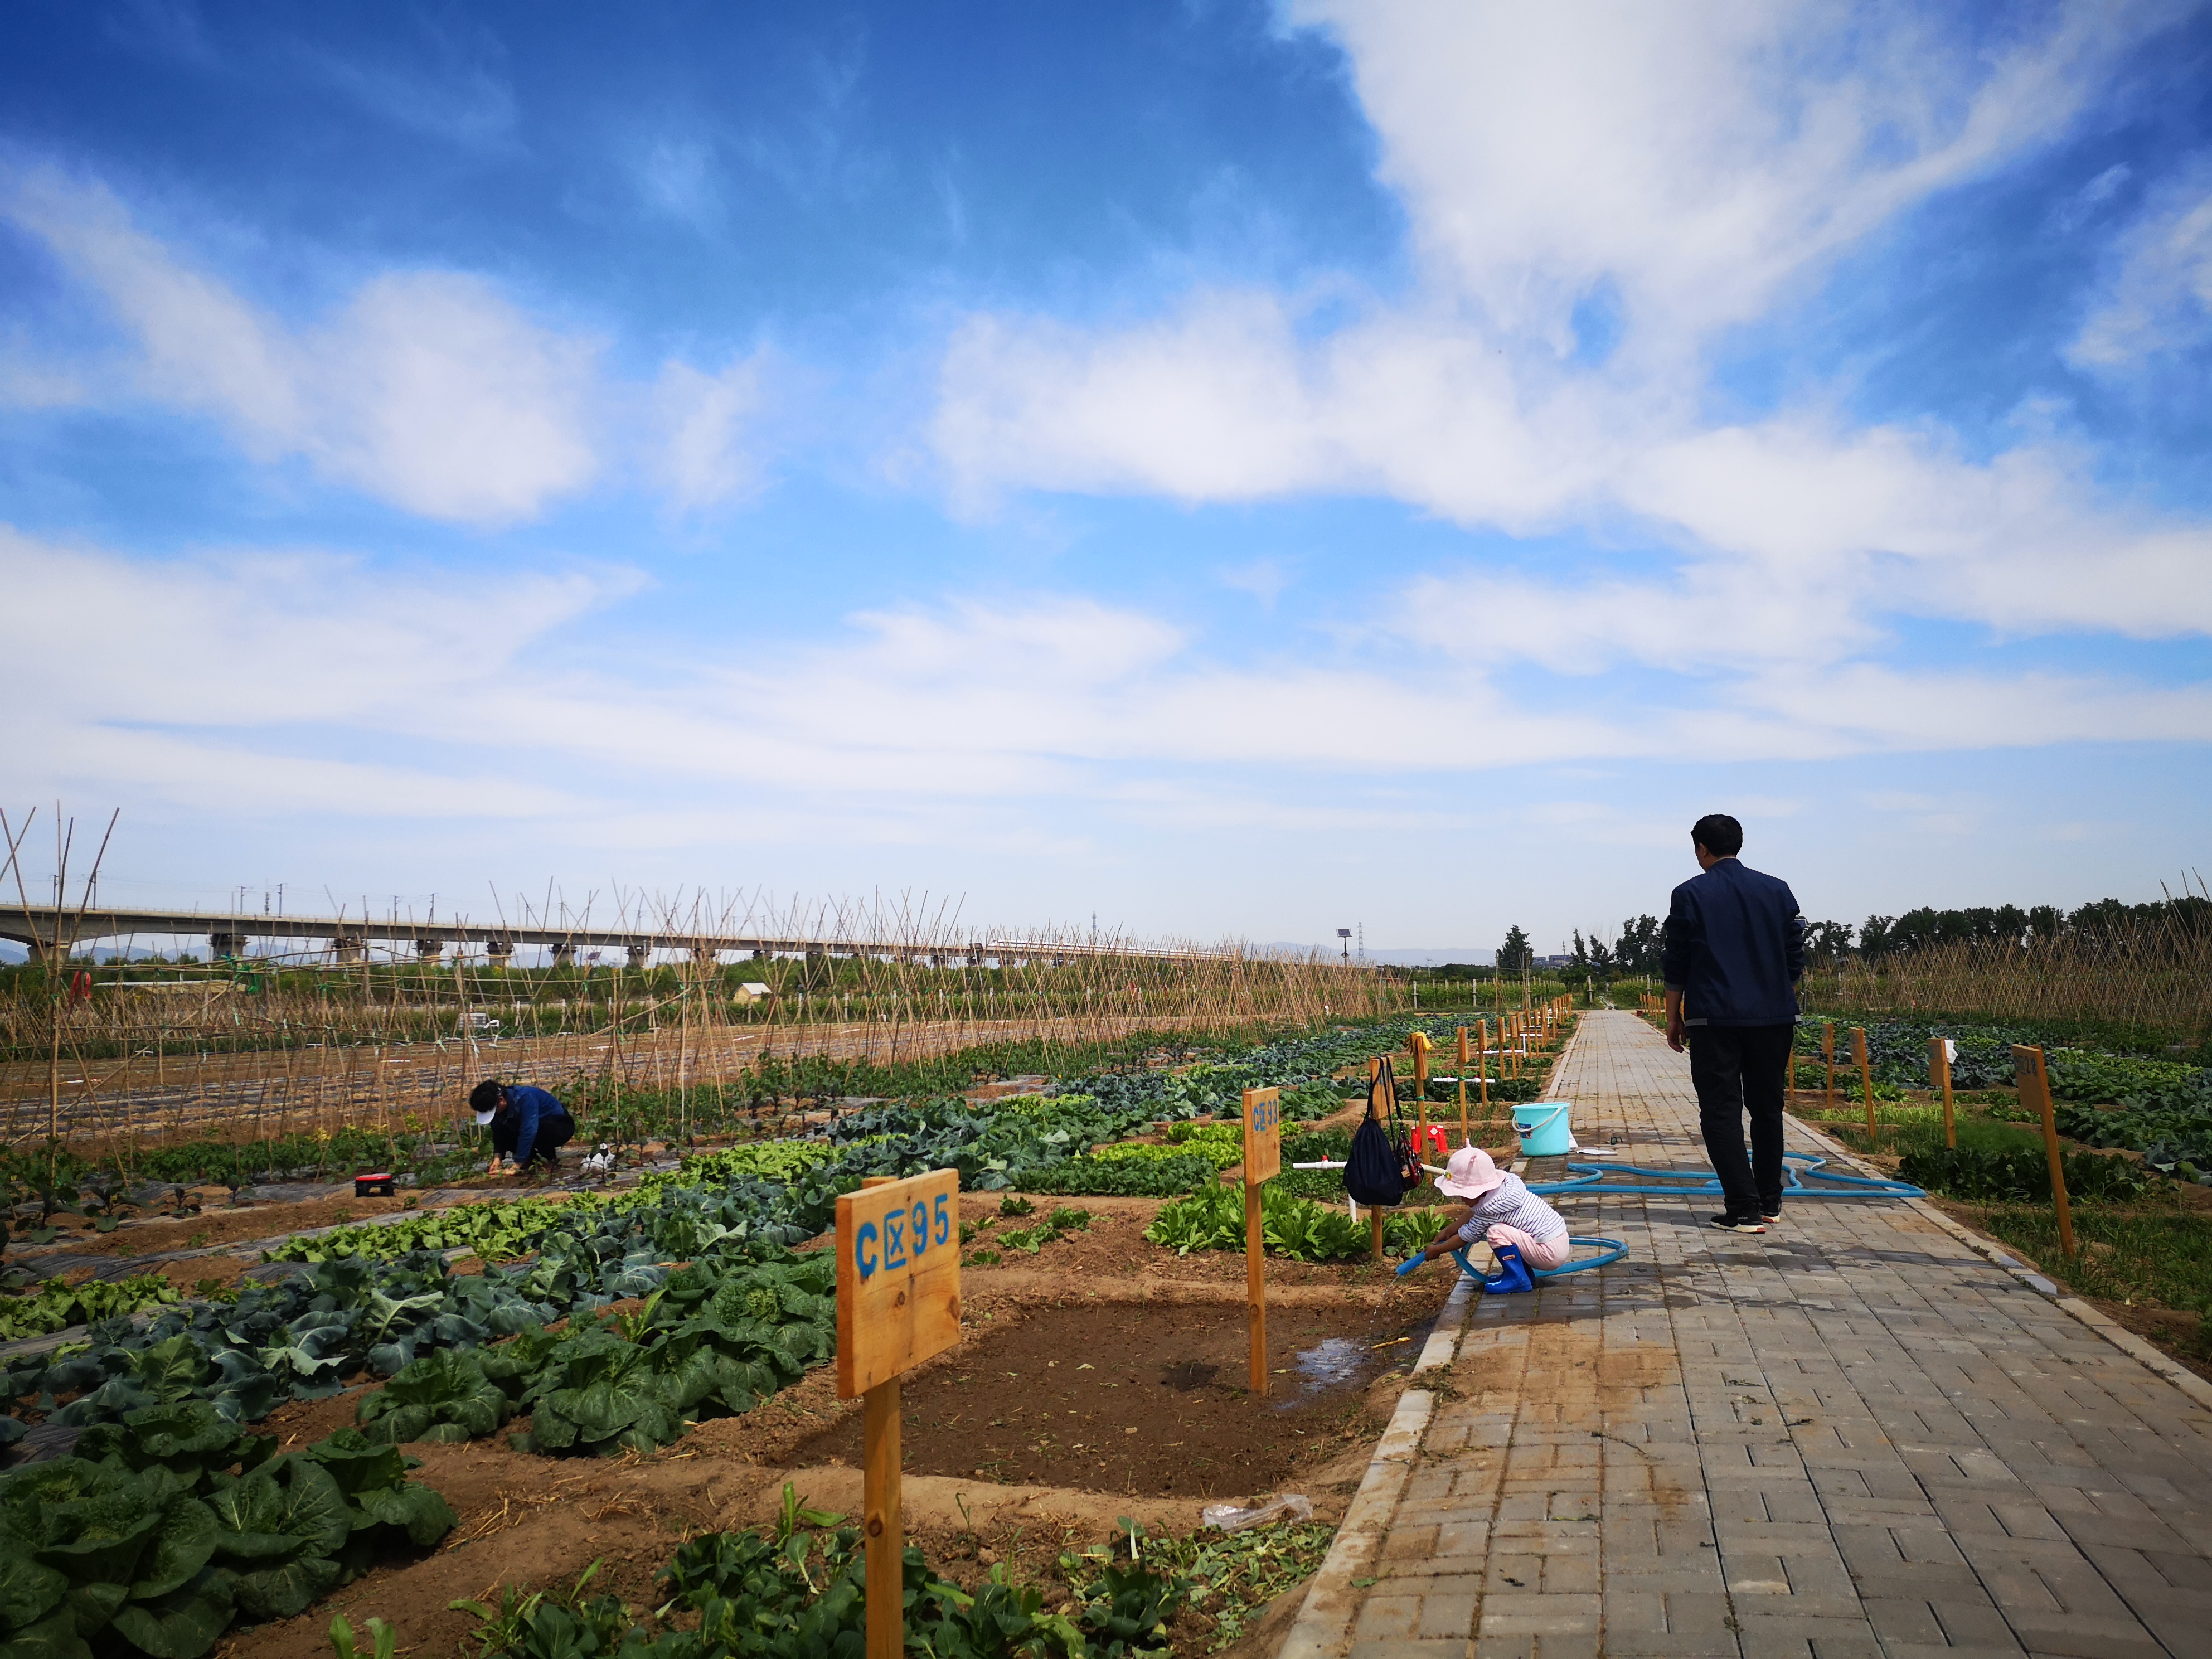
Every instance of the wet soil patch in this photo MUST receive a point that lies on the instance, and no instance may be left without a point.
(1147, 1399)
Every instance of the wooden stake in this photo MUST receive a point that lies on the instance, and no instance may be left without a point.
(1262, 1114)
(1420, 1098)
(1255, 1290)
(885, 1534)
(1463, 1140)
(1828, 1054)
(1939, 1069)
(1482, 1060)
(881, 1519)
(1866, 1078)
(1375, 1212)
(2035, 1080)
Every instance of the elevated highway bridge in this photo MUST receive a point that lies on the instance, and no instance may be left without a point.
(48, 930)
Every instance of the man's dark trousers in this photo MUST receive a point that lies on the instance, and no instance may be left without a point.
(1734, 1069)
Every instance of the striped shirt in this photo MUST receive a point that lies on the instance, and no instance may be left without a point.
(1511, 1203)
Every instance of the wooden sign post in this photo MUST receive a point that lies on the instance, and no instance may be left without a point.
(898, 1303)
(1463, 1140)
(1866, 1077)
(1828, 1054)
(1482, 1063)
(2028, 1065)
(1419, 1042)
(1378, 1110)
(1263, 1161)
(1939, 1073)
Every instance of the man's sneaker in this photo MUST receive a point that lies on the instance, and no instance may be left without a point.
(1771, 1220)
(1738, 1224)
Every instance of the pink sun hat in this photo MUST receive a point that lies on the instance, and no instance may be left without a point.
(1470, 1174)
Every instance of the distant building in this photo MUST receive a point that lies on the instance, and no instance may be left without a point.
(1553, 962)
(753, 990)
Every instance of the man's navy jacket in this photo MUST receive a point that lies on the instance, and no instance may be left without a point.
(527, 1110)
(1734, 947)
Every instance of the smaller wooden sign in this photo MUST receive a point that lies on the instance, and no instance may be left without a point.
(1939, 1072)
(1263, 1135)
(898, 1278)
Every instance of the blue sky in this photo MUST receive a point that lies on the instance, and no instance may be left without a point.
(1239, 470)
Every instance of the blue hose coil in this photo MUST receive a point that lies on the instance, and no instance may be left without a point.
(1591, 1180)
(1613, 1251)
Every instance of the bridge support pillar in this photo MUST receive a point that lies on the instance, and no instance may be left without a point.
(639, 954)
(564, 956)
(227, 944)
(349, 947)
(500, 950)
(430, 950)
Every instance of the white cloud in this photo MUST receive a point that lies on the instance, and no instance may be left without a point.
(1692, 164)
(428, 390)
(180, 708)
(704, 458)
(2158, 295)
(917, 714)
(1263, 579)
(1696, 158)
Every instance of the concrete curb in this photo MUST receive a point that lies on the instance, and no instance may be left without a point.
(1322, 1629)
(2118, 1336)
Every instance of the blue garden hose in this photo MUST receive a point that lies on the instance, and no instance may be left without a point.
(1591, 1180)
(1611, 1251)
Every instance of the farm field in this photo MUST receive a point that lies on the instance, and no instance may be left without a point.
(1100, 1377)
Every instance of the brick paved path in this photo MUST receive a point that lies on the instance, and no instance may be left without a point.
(1850, 1436)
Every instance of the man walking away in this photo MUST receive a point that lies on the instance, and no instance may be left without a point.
(1735, 947)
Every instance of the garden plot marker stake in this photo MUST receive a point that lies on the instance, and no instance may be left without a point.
(1939, 1072)
(1263, 1161)
(1419, 1042)
(1374, 1095)
(1866, 1077)
(1463, 1139)
(2034, 1075)
(898, 1303)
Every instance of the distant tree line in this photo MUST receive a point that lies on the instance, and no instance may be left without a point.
(1640, 946)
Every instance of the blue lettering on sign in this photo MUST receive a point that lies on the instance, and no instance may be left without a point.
(921, 1227)
(895, 1238)
(863, 1236)
(1266, 1114)
(944, 1221)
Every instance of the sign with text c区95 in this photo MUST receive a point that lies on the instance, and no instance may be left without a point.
(898, 1278)
(1263, 1135)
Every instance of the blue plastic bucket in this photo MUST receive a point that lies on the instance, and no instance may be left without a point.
(1543, 1127)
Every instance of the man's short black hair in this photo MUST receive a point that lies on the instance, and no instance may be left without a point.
(1718, 834)
(484, 1097)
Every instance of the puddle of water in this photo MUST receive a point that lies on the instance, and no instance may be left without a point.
(1332, 1361)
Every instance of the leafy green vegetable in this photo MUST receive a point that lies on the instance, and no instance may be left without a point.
(1212, 1219)
(55, 1306)
(181, 1524)
(443, 1396)
(1970, 1173)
